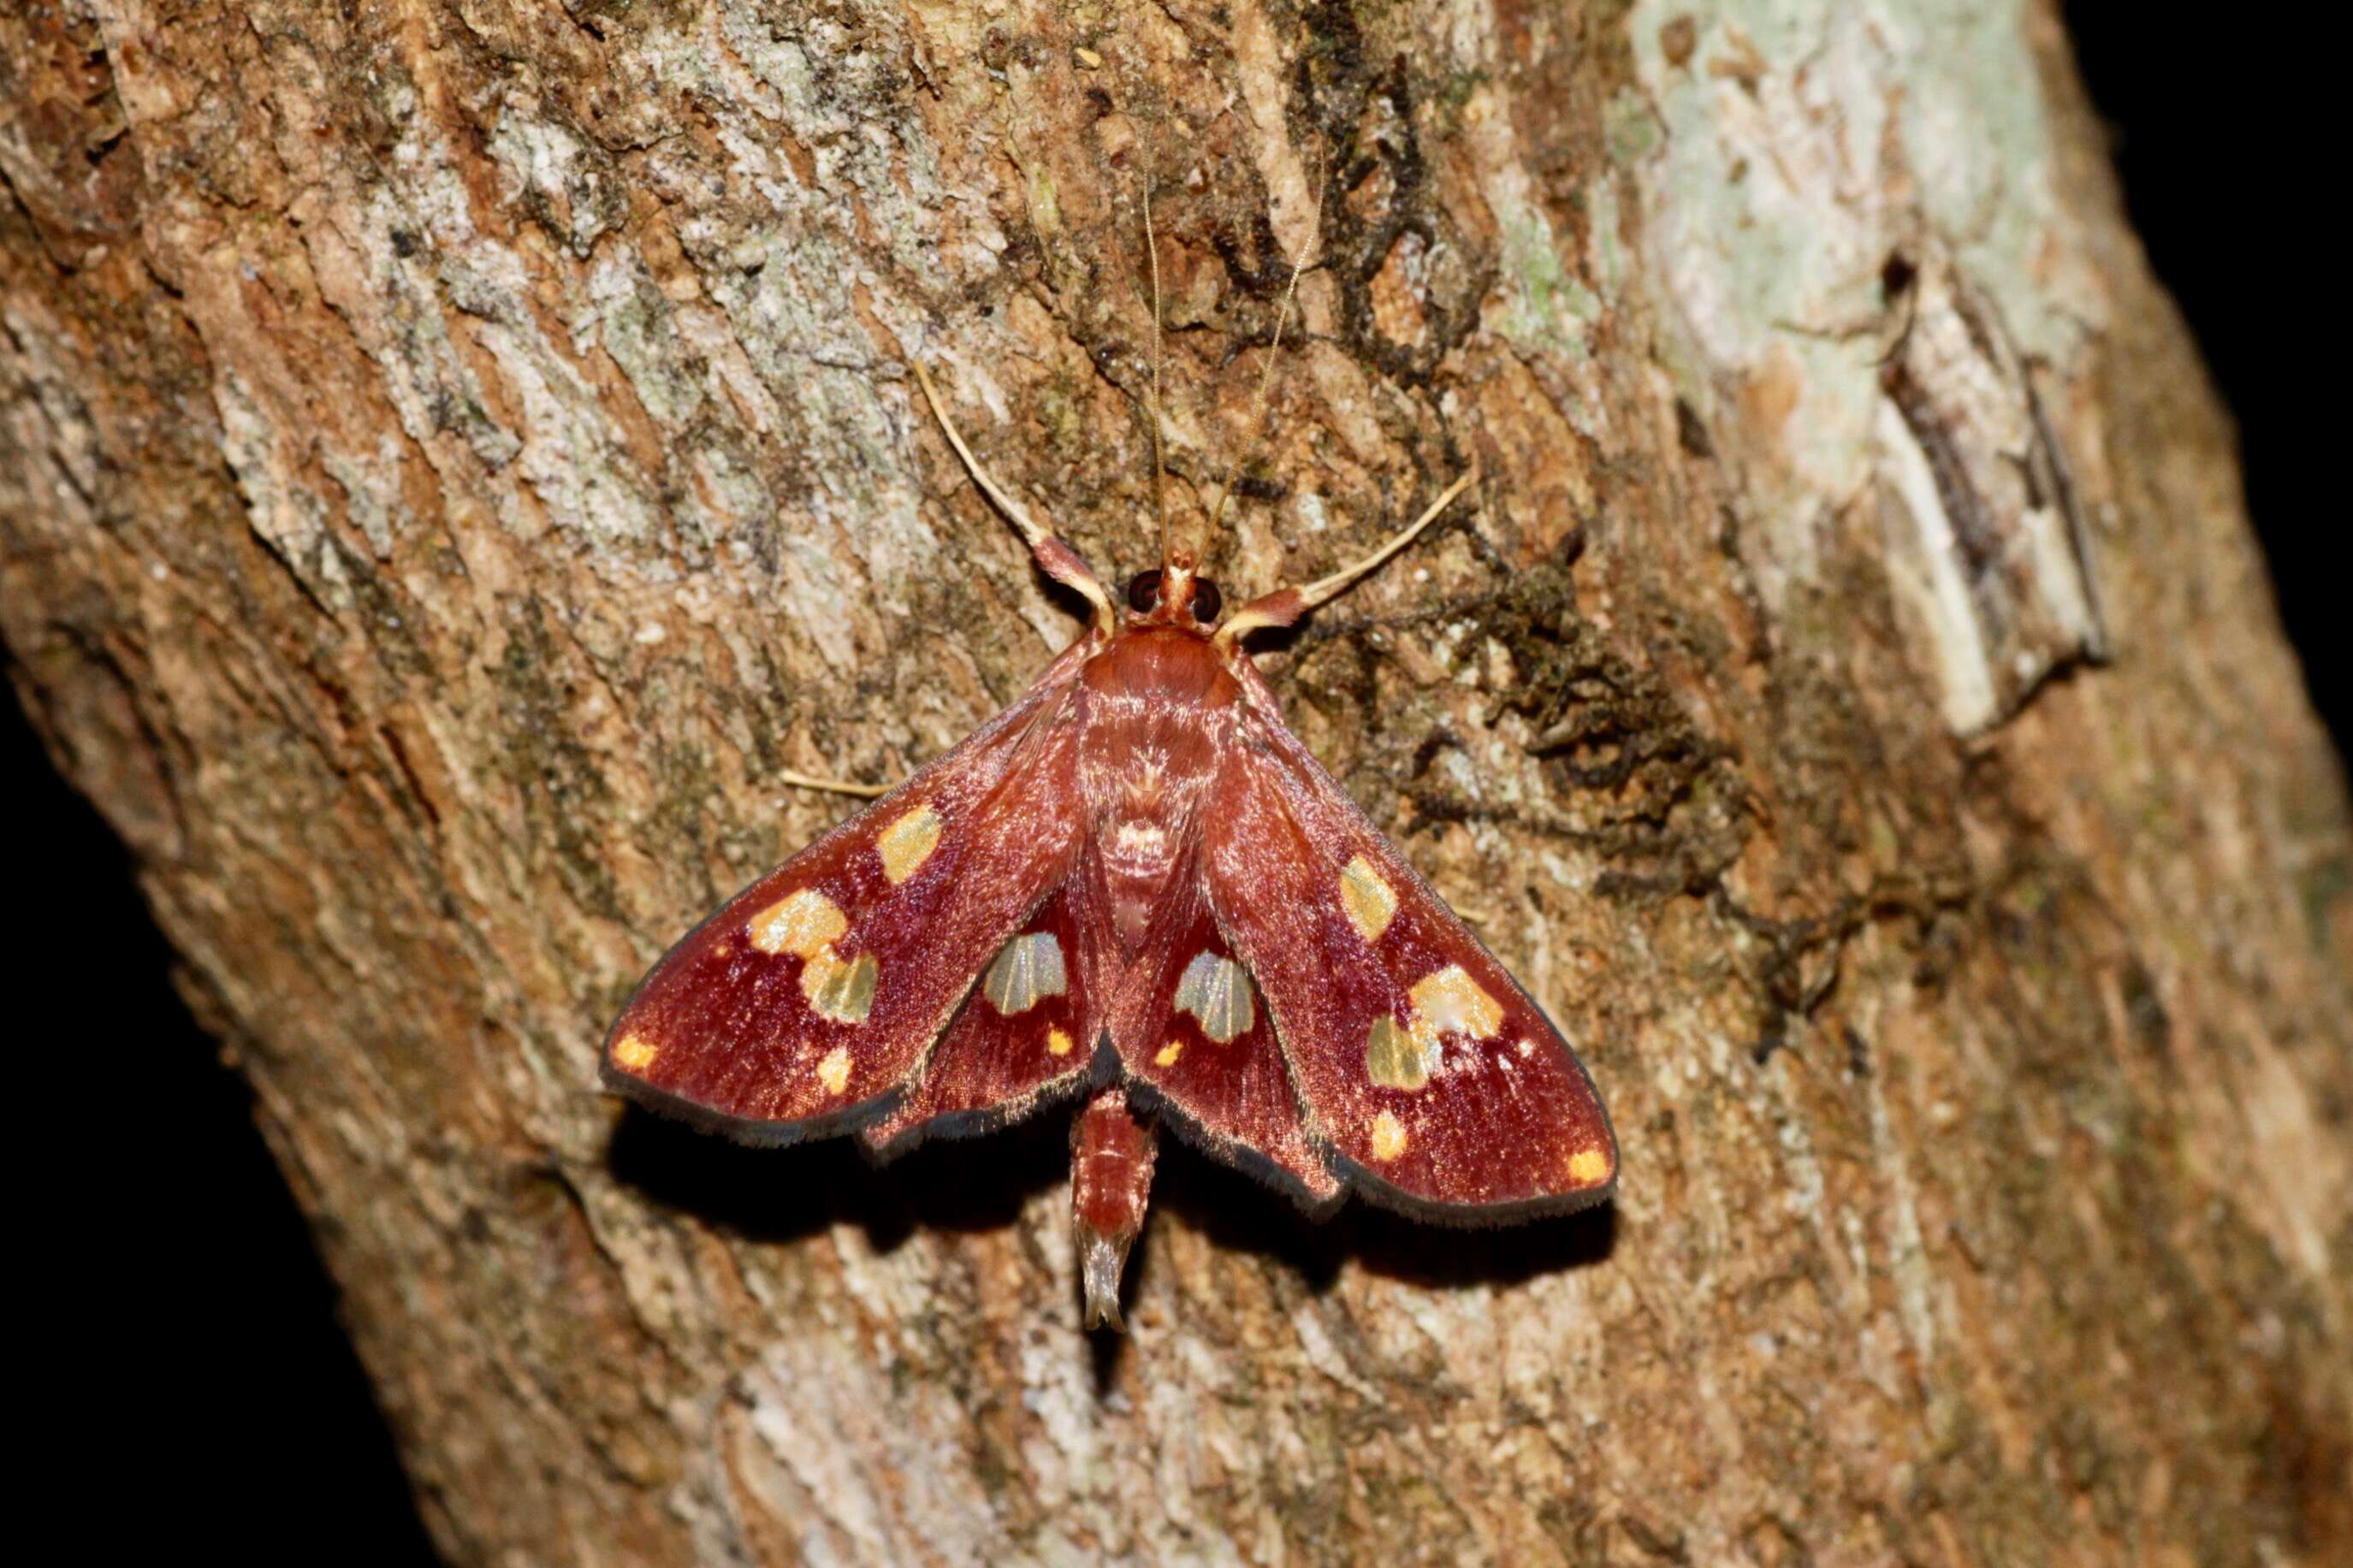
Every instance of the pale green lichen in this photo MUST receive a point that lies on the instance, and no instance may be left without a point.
(638, 328)
(1549, 309)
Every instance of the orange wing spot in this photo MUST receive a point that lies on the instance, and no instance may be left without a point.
(1366, 897)
(801, 923)
(635, 1053)
(1388, 1137)
(833, 1069)
(1058, 1043)
(907, 843)
(1588, 1167)
(1166, 1056)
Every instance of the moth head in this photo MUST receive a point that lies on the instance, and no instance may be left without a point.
(1175, 594)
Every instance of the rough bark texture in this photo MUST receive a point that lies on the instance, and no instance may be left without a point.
(454, 455)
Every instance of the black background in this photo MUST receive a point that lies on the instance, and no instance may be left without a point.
(183, 1290)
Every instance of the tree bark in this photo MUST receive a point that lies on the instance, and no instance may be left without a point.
(455, 456)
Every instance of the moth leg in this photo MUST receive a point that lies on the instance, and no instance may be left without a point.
(1284, 606)
(1055, 558)
(1112, 1153)
(832, 786)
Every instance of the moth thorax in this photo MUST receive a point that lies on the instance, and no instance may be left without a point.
(1139, 845)
(1139, 860)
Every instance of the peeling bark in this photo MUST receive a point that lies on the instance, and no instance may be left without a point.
(454, 458)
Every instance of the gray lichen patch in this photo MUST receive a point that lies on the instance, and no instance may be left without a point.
(1783, 255)
(557, 176)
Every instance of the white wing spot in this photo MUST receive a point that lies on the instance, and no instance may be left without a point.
(635, 1053)
(1027, 970)
(907, 843)
(1588, 1167)
(1450, 1002)
(1217, 992)
(806, 924)
(1388, 1137)
(1366, 897)
(1058, 1044)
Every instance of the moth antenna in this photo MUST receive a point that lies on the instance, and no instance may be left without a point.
(1159, 458)
(1266, 373)
(1285, 605)
(832, 786)
(1056, 559)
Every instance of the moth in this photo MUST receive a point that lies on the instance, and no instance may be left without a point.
(1133, 888)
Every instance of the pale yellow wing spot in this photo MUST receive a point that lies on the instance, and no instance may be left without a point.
(843, 992)
(1217, 992)
(1395, 1060)
(1166, 1056)
(1588, 1167)
(1388, 1137)
(833, 1069)
(800, 924)
(1058, 1043)
(1368, 898)
(636, 1053)
(907, 843)
(1027, 970)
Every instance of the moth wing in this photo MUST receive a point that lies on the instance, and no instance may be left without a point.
(809, 998)
(1026, 1034)
(1433, 1081)
(1192, 1031)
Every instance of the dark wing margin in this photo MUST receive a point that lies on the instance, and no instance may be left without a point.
(1432, 1082)
(805, 1004)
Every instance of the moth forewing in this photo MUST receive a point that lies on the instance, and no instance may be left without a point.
(1434, 1082)
(806, 1003)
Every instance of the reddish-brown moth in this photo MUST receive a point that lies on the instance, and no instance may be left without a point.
(1137, 886)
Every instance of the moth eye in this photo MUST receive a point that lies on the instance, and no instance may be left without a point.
(1206, 600)
(1144, 591)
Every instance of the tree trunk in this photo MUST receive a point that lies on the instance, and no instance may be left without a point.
(455, 457)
